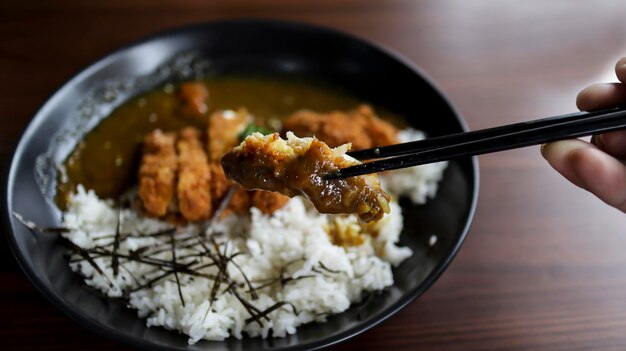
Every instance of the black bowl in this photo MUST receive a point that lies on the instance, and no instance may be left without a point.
(289, 50)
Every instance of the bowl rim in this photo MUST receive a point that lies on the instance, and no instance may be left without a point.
(98, 328)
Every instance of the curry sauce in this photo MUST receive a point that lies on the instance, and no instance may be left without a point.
(108, 158)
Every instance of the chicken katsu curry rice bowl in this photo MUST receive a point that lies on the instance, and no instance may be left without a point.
(172, 195)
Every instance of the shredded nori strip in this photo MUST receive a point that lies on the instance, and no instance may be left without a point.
(267, 311)
(251, 289)
(180, 290)
(189, 264)
(90, 260)
(322, 266)
(36, 229)
(253, 311)
(115, 263)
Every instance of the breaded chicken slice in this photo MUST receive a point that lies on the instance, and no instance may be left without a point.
(268, 201)
(193, 188)
(223, 130)
(240, 201)
(194, 96)
(361, 127)
(157, 172)
(297, 166)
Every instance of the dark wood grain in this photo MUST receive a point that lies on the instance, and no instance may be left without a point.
(544, 265)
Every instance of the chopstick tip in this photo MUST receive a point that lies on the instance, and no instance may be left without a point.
(332, 175)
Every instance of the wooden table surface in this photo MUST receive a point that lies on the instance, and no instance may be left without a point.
(544, 264)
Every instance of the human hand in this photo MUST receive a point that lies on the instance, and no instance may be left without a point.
(599, 166)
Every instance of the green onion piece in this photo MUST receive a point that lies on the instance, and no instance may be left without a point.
(252, 128)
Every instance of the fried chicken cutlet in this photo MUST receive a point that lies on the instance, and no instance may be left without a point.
(296, 166)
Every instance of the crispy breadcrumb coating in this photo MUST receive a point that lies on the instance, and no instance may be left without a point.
(193, 190)
(239, 202)
(361, 127)
(223, 131)
(297, 167)
(194, 96)
(268, 201)
(157, 173)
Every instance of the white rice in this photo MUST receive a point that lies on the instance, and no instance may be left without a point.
(288, 257)
(418, 183)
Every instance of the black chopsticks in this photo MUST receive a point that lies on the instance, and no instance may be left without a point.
(484, 141)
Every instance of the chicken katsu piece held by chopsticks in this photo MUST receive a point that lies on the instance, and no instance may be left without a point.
(297, 166)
